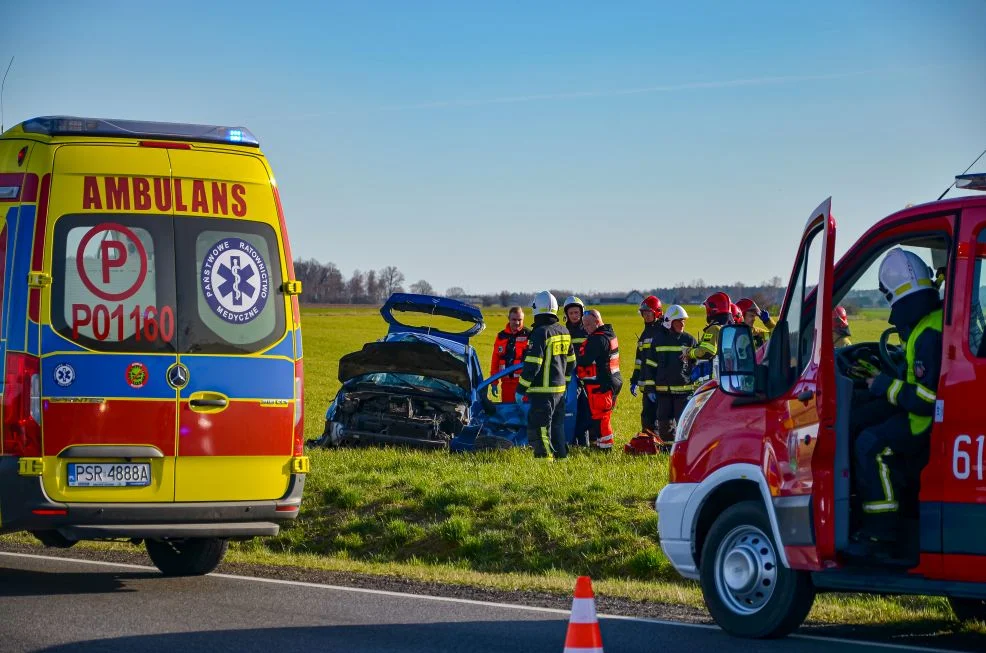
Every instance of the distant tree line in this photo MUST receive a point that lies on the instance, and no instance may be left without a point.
(324, 283)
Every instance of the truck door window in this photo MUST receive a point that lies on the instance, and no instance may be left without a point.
(799, 319)
(867, 308)
(977, 316)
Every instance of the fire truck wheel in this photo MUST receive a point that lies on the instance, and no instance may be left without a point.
(747, 590)
(968, 609)
(191, 557)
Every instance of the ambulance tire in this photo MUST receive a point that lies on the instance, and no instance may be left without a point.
(747, 589)
(191, 557)
(968, 609)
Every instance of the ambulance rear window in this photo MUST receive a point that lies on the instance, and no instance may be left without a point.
(114, 282)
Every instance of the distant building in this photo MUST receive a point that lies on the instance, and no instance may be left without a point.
(634, 297)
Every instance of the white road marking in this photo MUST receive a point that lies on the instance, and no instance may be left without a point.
(491, 604)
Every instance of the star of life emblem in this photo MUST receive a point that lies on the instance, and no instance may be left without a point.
(235, 280)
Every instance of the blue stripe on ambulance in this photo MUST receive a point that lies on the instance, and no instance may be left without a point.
(105, 375)
(284, 348)
(240, 377)
(52, 342)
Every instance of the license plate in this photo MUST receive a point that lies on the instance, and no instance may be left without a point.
(109, 474)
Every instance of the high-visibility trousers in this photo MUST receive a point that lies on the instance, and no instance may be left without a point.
(601, 404)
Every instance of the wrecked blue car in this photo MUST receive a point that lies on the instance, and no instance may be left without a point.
(422, 387)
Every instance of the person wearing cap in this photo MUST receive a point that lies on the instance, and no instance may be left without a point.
(669, 373)
(598, 368)
(840, 327)
(890, 453)
(549, 362)
(750, 312)
(574, 309)
(508, 350)
(651, 312)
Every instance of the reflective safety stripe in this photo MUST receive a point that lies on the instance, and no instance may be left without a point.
(524, 382)
(889, 502)
(583, 611)
(894, 390)
(652, 363)
(545, 441)
(924, 393)
(533, 359)
(550, 389)
(668, 348)
(644, 384)
(674, 388)
(605, 442)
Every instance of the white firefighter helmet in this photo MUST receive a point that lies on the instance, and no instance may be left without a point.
(545, 303)
(572, 300)
(674, 312)
(903, 273)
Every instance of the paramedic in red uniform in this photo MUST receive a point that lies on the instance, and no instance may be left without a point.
(598, 367)
(508, 350)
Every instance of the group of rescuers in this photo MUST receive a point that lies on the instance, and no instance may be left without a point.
(669, 364)
(891, 425)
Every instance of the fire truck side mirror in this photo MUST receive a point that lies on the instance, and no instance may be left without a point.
(737, 360)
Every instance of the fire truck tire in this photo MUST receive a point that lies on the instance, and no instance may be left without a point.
(191, 557)
(747, 589)
(968, 609)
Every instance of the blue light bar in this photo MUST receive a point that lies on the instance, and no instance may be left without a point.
(73, 126)
(975, 181)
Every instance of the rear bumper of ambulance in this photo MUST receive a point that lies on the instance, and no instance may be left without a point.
(24, 506)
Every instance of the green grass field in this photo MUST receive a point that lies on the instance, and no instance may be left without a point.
(501, 519)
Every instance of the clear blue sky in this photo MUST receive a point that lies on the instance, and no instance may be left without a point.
(587, 145)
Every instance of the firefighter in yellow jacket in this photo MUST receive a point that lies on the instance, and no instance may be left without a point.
(717, 314)
(548, 365)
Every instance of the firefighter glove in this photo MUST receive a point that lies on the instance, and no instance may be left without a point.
(864, 369)
(519, 397)
(495, 390)
(633, 389)
(764, 316)
(651, 396)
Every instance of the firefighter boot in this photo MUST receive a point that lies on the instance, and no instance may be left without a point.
(665, 431)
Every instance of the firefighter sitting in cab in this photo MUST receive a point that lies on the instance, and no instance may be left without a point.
(508, 350)
(652, 313)
(840, 327)
(750, 312)
(669, 372)
(717, 314)
(598, 368)
(574, 308)
(893, 448)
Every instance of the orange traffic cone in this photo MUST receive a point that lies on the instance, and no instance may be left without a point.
(583, 626)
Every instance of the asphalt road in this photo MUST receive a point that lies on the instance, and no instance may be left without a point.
(78, 606)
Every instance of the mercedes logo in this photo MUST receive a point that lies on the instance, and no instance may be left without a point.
(177, 375)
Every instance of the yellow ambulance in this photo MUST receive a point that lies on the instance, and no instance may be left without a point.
(150, 339)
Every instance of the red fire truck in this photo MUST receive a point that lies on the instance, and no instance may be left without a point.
(761, 501)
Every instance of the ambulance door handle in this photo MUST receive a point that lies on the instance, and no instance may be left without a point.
(207, 403)
(806, 395)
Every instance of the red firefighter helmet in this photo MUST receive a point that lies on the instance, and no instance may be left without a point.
(717, 304)
(652, 303)
(746, 305)
(737, 313)
(839, 317)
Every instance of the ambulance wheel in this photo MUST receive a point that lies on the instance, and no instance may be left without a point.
(747, 589)
(192, 557)
(968, 609)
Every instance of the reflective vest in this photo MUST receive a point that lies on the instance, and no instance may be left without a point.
(509, 350)
(933, 321)
(590, 373)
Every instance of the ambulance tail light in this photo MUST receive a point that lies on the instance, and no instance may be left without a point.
(299, 409)
(22, 406)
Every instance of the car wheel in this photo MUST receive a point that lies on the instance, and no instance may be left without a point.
(192, 557)
(968, 609)
(747, 590)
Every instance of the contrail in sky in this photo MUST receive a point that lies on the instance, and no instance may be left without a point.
(574, 95)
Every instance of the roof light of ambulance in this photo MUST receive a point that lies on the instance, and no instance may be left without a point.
(976, 181)
(236, 135)
(113, 128)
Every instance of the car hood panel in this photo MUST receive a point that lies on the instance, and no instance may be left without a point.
(404, 358)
